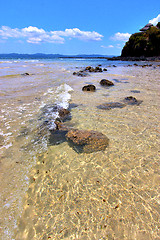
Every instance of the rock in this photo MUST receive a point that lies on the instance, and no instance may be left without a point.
(135, 91)
(105, 82)
(64, 114)
(104, 69)
(89, 87)
(98, 69)
(132, 101)
(87, 141)
(110, 105)
(81, 74)
(25, 74)
(91, 69)
(88, 68)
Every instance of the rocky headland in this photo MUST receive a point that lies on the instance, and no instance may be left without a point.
(142, 46)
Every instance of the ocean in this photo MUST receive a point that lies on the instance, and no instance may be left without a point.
(51, 191)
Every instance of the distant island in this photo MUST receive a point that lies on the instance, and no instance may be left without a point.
(49, 56)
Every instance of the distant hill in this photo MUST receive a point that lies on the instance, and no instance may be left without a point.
(145, 43)
(48, 56)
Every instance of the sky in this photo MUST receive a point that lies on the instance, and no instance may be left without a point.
(72, 26)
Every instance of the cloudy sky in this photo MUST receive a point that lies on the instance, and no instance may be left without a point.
(72, 26)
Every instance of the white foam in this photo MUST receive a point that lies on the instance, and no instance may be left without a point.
(63, 95)
(6, 146)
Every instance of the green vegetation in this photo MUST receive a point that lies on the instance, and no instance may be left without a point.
(145, 43)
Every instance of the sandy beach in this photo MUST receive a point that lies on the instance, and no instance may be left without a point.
(50, 191)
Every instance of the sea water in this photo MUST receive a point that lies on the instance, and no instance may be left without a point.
(50, 191)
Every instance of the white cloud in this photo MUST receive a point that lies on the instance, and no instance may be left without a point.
(154, 21)
(7, 32)
(109, 46)
(121, 36)
(36, 35)
(82, 35)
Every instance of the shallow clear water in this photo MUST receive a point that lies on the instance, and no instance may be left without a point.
(49, 191)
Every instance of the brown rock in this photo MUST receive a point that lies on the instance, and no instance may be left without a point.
(89, 87)
(63, 113)
(132, 101)
(105, 82)
(87, 141)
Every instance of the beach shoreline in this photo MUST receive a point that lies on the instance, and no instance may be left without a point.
(59, 193)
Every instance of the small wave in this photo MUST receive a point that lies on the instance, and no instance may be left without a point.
(50, 112)
(5, 140)
(32, 61)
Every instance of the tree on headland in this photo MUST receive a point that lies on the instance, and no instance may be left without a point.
(146, 43)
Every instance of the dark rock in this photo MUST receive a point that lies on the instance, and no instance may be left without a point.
(91, 69)
(80, 74)
(135, 91)
(64, 114)
(132, 101)
(105, 82)
(88, 68)
(104, 69)
(89, 87)
(25, 74)
(87, 141)
(98, 69)
(137, 58)
(110, 105)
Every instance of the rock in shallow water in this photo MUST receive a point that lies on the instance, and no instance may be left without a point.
(132, 101)
(105, 82)
(110, 105)
(87, 141)
(89, 88)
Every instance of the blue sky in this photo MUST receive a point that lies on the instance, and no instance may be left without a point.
(72, 26)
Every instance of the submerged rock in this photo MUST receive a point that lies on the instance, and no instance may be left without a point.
(105, 82)
(110, 105)
(87, 141)
(89, 87)
(132, 101)
(81, 74)
(135, 91)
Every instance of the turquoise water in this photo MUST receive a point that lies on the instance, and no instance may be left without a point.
(50, 191)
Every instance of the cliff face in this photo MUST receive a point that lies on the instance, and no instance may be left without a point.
(145, 43)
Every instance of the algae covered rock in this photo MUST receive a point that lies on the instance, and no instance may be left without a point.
(87, 141)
